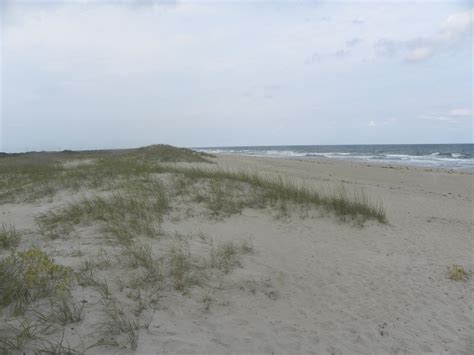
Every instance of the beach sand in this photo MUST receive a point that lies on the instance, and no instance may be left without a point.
(313, 283)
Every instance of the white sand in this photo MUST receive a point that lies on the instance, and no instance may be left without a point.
(315, 284)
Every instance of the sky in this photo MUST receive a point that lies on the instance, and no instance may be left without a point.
(114, 74)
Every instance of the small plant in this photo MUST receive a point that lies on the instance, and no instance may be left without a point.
(119, 327)
(29, 275)
(58, 348)
(9, 238)
(63, 312)
(86, 278)
(207, 299)
(227, 255)
(140, 256)
(180, 267)
(15, 337)
(457, 273)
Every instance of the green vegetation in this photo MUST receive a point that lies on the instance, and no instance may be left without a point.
(131, 196)
(457, 273)
(35, 176)
(169, 154)
(118, 328)
(15, 337)
(31, 176)
(29, 275)
(137, 211)
(63, 311)
(181, 271)
(9, 238)
(277, 189)
(227, 255)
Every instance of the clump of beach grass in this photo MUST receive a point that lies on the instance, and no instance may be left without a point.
(16, 336)
(117, 327)
(274, 189)
(227, 255)
(124, 215)
(9, 238)
(29, 275)
(63, 311)
(181, 270)
(88, 278)
(140, 256)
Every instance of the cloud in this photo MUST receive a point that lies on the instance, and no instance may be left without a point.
(386, 47)
(419, 54)
(456, 25)
(390, 120)
(107, 73)
(460, 112)
(454, 31)
(455, 115)
(320, 57)
(353, 42)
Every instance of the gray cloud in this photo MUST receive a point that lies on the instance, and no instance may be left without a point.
(127, 74)
(454, 33)
(354, 41)
(455, 115)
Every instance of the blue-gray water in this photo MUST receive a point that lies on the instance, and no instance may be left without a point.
(451, 156)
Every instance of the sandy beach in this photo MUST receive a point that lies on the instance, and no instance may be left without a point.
(304, 282)
(236, 177)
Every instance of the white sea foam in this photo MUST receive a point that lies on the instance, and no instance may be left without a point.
(434, 159)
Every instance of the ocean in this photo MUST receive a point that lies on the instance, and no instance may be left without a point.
(449, 156)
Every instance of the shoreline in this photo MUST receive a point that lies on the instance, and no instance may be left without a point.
(353, 162)
(442, 163)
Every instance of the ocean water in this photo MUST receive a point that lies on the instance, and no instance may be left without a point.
(450, 156)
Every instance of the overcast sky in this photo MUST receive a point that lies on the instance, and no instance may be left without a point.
(93, 74)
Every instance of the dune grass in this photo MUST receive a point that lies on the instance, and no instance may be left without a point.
(117, 327)
(139, 204)
(31, 176)
(169, 154)
(62, 311)
(9, 238)
(129, 195)
(227, 255)
(15, 337)
(136, 211)
(340, 202)
(29, 275)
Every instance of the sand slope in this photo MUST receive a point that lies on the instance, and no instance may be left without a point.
(316, 285)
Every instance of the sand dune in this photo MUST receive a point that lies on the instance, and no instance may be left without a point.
(303, 282)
